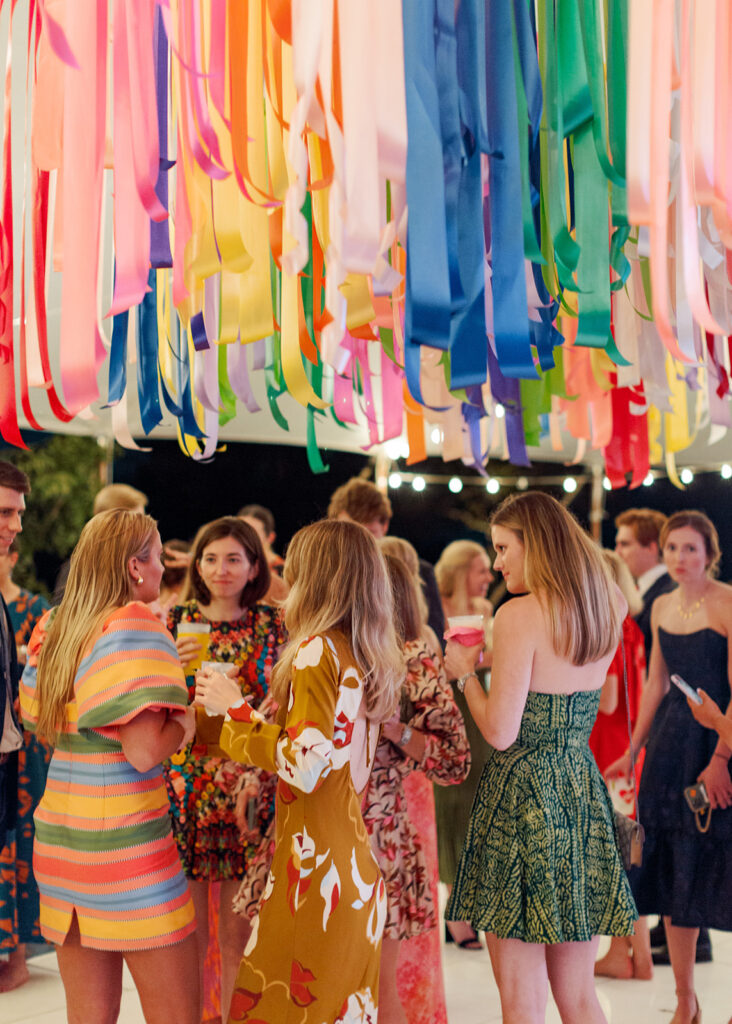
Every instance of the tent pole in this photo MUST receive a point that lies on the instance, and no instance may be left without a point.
(597, 503)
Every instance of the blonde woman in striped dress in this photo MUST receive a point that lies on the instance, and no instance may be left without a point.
(104, 685)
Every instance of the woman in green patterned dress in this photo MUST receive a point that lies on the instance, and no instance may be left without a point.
(540, 871)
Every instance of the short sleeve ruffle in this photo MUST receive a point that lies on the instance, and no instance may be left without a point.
(133, 667)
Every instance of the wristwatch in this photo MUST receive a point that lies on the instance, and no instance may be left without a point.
(405, 736)
(463, 680)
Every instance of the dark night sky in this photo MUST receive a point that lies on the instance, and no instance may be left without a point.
(184, 494)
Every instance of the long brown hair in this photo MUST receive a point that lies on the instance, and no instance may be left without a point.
(565, 569)
(702, 525)
(339, 582)
(407, 617)
(248, 538)
(99, 582)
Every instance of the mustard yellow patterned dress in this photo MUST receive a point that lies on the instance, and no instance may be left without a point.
(313, 955)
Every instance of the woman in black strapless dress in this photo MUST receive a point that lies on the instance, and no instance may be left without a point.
(686, 874)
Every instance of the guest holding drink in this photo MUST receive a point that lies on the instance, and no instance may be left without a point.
(228, 575)
(313, 955)
(103, 685)
(540, 872)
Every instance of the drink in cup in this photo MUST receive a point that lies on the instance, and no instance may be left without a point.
(466, 630)
(200, 631)
(218, 666)
(209, 723)
(465, 622)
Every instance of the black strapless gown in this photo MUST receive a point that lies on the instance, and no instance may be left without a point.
(685, 874)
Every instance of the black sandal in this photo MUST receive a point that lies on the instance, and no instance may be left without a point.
(471, 942)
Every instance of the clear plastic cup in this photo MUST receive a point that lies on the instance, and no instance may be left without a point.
(216, 666)
(465, 622)
(200, 631)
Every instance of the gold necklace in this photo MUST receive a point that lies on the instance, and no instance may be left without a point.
(688, 613)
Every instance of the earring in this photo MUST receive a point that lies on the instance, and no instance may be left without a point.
(140, 580)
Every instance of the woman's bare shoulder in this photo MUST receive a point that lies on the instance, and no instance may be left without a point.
(518, 609)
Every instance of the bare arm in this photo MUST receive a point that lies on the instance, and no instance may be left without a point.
(152, 736)
(498, 713)
(609, 695)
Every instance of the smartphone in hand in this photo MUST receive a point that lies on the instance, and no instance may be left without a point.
(689, 691)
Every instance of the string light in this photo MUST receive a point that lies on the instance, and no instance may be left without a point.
(569, 484)
(648, 479)
(418, 484)
(395, 481)
(606, 483)
(687, 476)
(726, 471)
(522, 483)
(455, 484)
(492, 486)
(499, 411)
(436, 435)
(396, 448)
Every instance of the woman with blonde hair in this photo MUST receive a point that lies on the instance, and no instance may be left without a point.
(686, 875)
(316, 941)
(104, 686)
(540, 871)
(463, 574)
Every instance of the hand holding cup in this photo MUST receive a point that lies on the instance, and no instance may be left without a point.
(216, 687)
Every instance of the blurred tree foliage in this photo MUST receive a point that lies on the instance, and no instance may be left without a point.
(64, 476)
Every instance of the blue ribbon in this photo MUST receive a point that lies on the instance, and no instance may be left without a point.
(510, 305)
(118, 359)
(507, 392)
(147, 358)
(198, 333)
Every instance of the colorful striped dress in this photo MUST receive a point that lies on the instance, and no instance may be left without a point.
(104, 846)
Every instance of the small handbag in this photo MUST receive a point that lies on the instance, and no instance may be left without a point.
(629, 833)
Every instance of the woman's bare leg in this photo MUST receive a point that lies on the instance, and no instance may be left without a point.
(200, 893)
(640, 942)
(520, 969)
(570, 968)
(234, 932)
(92, 980)
(167, 982)
(617, 962)
(682, 951)
(14, 972)
(391, 1010)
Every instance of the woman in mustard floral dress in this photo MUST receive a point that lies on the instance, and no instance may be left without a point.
(313, 955)
(228, 575)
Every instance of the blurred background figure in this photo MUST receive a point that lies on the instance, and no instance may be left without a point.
(463, 573)
(262, 520)
(627, 957)
(176, 557)
(19, 911)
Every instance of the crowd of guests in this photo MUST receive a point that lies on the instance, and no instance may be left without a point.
(220, 770)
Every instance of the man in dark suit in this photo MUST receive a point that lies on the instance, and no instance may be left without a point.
(14, 485)
(636, 541)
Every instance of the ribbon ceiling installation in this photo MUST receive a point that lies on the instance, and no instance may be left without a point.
(389, 209)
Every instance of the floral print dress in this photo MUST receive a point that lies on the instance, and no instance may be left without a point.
(314, 952)
(202, 811)
(446, 761)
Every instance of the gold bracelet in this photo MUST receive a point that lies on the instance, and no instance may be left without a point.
(463, 680)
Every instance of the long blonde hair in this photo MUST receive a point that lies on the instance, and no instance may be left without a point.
(339, 581)
(624, 579)
(99, 582)
(565, 569)
(451, 573)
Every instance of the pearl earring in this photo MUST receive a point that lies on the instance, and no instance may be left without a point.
(140, 580)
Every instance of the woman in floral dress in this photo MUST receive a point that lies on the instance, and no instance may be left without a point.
(228, 575)
(314, 952)
(428, 734)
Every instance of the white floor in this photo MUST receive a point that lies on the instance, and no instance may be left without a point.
(472, 997)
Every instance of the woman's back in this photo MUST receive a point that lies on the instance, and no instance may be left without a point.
(551, 672)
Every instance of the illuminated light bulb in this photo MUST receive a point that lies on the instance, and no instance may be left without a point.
(492, 486)
(726, 471)
(395, 481)
(522, 483)
(436, 435)
(455, 484)
(606, 483)
(499, 411)
(393, 448)
(648, 479)
(570, 484)
(418, 483)
(687, 476)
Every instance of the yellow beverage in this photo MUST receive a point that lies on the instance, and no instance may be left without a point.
(200, 631)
